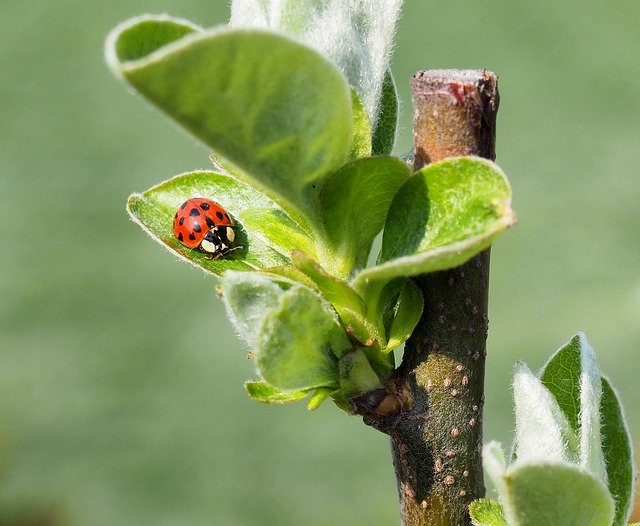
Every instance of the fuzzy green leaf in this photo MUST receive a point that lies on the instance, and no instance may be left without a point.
(345, 300)
(143, 35)
(495, 465)
(384, 136)
(276, 109)
(361, 142)
(445, 214)
(154, 210)
(267, 394)
(354, 203)
(408, 312)
(300, 342)
(543, 432)
(487, 512)
(572, 376)
(356, 374)
(277, 229)
(249, 297)
(618, 454)
(556, 494)
(320, 396)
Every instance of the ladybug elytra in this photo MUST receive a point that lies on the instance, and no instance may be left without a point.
(203, 224)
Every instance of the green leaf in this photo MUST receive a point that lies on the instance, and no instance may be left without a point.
(618, 454)
(495, 465)
(384, 136)
(277, 230)
(349, 306)
(487, 512)
(265, 393)
(556, 494)
(445, 214)
(361, 142)
(543, 432)
(408, 312)
(274, 108)
(143, 35)
(320, 396)
(249, 297)
(354, 203)
(572, 376)
(154, 210)
(356, 374)
(300, 342)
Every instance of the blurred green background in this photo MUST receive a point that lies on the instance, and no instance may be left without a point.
(121, 398)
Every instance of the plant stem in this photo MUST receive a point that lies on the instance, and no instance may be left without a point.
(436, 442)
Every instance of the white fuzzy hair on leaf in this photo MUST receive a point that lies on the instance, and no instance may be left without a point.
(357, 35)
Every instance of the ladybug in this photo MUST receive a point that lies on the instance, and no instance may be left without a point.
(203, 224)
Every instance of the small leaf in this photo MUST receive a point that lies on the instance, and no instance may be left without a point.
(265, 393)
(354, 203)
(154, 209)
(445, 214)
(557, 494)
(384, 136)
(320, 396)
(345, 300)
(356, 375)
(276, 109)
(542, 430)
(248, 298)
(495, 465)
(487, 512)
(409, 310)
(361, 142)
(143, 35)
(300, 342)
(572, 376)
(618, 454)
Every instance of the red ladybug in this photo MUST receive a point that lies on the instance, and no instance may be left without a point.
(203, 224)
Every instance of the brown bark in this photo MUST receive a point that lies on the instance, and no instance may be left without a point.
(436, 442)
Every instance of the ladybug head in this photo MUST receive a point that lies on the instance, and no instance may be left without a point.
(218, 241)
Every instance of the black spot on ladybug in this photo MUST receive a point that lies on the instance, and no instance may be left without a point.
(196, 227)
(210, 222)
(192, 236)
(219, 215)
(181, 222)
(176, 216)
(226, 216)
(184, 205)
(194, 212)
(180, 238)
(204, 206)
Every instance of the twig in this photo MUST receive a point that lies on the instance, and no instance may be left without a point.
(437, 442)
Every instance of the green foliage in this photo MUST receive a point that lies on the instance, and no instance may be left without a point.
(276, 109)
(292, 147)
(354, 203)
(618, 454)
(558, 494)
(267, 394)
(299, 339)
(572, 456)
(407, 314)
(345, 300)
(442, 216)
(384, 136)
(361, 141)
(486, 512)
